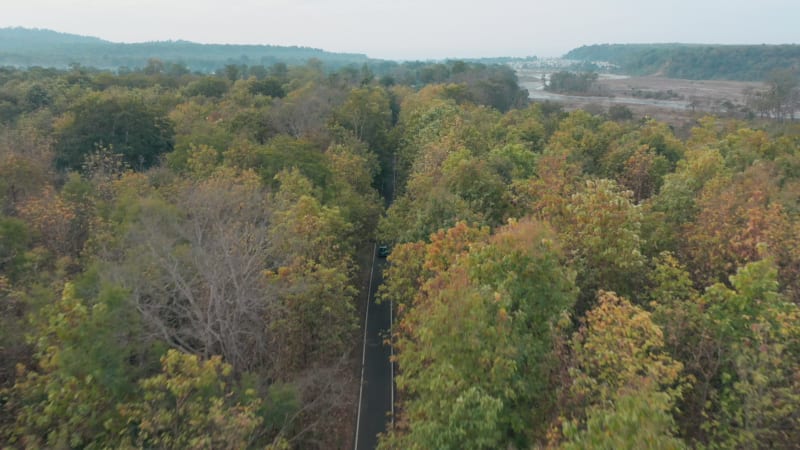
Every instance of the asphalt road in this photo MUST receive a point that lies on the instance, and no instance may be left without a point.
(375, 398)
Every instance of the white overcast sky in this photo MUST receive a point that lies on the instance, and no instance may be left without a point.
(418, 29)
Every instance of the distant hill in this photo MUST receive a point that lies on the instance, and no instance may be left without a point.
(694, 61)
(23, 47)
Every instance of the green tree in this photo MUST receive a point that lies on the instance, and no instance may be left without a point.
(14, 242)
(192, 403)
(367, 114)
(475, 350)
(600, 229)
(317, 302)
(676, 203)
(564, 81)
(126, 124)
(89, 355)
(635, 420)
(213, 87)
(586, 139)
(280, 153)
(478, 185)
(759, 354)
(353, 170)
(623, 382)
(271, 87)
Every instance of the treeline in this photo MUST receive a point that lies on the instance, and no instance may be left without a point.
(566, 281)
(694, 62)
(21, 47)
(179, 252)
(26, 90)
(570, 82)
(781, 97)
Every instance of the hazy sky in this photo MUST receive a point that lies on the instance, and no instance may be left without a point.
(418, 29)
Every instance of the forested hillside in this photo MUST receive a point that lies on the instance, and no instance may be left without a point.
(21, 47)
(179, 263)
(694, 62)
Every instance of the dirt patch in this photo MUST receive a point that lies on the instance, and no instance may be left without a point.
(697, 97)
(705, 93)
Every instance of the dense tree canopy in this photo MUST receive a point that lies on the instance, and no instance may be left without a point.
(124, 124)
(660, 233)
(184, 257)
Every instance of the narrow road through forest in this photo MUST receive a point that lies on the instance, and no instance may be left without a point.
(376, 393)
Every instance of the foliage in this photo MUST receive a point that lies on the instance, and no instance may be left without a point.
(83, 367)
(618, 348)
(126, 124)
(366, 113)
(559, 279)
(317, 317)
(207, 87)
(568, 82)
(636, 420)
(601, 230)
(14, 241)
(693, 62)
(758, 399)
(474, 351)
(622, 380)
(279, 154)
(190, 404)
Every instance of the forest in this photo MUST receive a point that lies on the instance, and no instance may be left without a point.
(25, 47)
(694, 62)
(181, 259)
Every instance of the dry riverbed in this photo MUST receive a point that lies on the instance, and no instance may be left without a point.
(678, 102)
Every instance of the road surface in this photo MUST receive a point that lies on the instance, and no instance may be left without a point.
(375, 396)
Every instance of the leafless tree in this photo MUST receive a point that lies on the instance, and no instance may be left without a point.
(327, 398)
(195, 270)
(306, 113)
